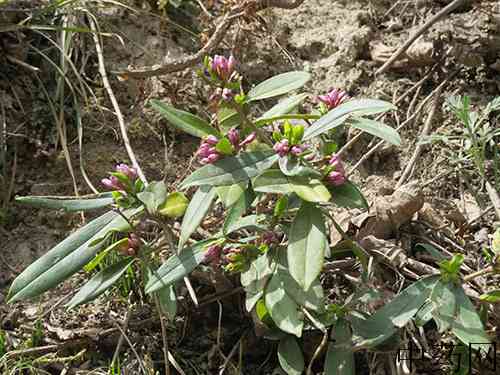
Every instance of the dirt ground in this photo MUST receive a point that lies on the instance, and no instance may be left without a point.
(341, 43)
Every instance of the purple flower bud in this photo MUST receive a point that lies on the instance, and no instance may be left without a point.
(249, 139)
(212, 254)
(212, 140)
(336, 178)
(112, 183)
(134, 241)
(212, 158)
(269, 238)
(281, 147)
(234, 136)
(205, 161)
(227, 94)
(336, 162)
(127, 171)
(223, 67)
(298, 149)
(334, 98)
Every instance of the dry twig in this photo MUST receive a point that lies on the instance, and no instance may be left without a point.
(221, 29)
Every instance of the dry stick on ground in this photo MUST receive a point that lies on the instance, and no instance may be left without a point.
(443, 12)
(494, 197)
(163, 335)
(420, 107)
(419, 147)
(122, 336)
(217, 37)
(116, 106)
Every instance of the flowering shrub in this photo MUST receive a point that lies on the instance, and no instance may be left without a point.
(277, 176)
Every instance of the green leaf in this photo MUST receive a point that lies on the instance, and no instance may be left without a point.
(467, 325)
(406, 304)
(272, 181)
(278, 85)
(175, 205)
(195, 212)
(348, 195)
(98, 284)
(311, 299)
(338, 115)
(306, 246)
(310, 190)
(291, 116)
(282, 308)
(89, 267)
(250, 222)
(291, 166)
(424, 314)
(493, 296)
(255, 278)
(238, 210)
(340, 354)
(177, 266)
(153, 196)
(67, 204)
(282, 108)
(228, 118)
(444, 304)
(184, 121)
(224, 147)
(68, 257)
(280, 207)
(290, 356)
(251, 300)
(168, 301)
(435, 253)
(378, 129)
(230, 194)
(232, 170)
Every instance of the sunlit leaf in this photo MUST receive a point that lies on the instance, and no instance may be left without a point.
(278, 85)
(68, 204)
(290, 356)
(378, 129)
(98, 284)
(184, 121)
(340, 354)
(232, 170)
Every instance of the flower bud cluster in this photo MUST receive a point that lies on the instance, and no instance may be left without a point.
(114, 183)
(337, 176)
(283, 147)
(208, 153)
(131, 246)
(222, 67)
(334, 98)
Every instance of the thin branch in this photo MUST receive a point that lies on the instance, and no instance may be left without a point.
(443, 12)
(217, 37)
(118, 112)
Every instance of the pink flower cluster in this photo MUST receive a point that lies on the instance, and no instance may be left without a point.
(114, 183)
(223, 67)
(282, 148)
(337, 176)
(213, 255)
(334, 98)
(207, 152)
(131, 246)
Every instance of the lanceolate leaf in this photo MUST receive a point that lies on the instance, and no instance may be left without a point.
(406, 304)
(307, 243)
(195, 212)
(100, 283)
(278, 85)
(337, 116)
(168, 301)
(232, 170)
(68, 204)
(444, 304)
(283, 107)
(290, 356)
(153, 196)
(68, 257)
(228, 195)
(283, 309)
(468, 326)
(348, 195)
(290, 166)
(378, 129)
(184, 121)
(311, 299)
(274, 181)
(177, 266)
(238, 210)
(340, 355)
(310, 190)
